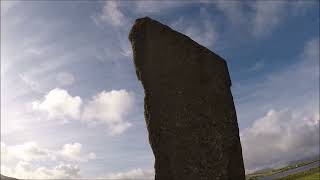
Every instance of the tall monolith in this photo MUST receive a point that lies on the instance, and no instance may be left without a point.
(189, 109)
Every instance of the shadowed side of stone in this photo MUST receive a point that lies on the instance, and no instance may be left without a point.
(189, 109)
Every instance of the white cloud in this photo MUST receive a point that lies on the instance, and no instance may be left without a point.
(133, 174)
(28, 151)
(31, 151)
(110, 108)
(58, 104)
(73, 152)
(65, 78)
(23, 161)
(279, 137)
(26, 170)
(111, 14)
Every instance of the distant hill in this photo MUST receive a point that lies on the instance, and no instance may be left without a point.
(289, 163)
(269, 172)
(7, 178)
(261, 171)
(304, 160)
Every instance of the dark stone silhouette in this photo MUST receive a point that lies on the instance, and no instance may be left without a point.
(189, 108)
(2, 177)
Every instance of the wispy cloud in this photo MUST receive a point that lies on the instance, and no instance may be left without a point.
(263, 16)
(156, 7)
(33, 85)
(257, 66)
(202, 31)
(233, 10)
(65, 78)
(268, 14)
(277, 88)
(111, 14)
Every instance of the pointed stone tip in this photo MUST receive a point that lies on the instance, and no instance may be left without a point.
(143, 19)
(138, 25)
(137, 34)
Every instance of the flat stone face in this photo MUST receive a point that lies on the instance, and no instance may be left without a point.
(189, 107)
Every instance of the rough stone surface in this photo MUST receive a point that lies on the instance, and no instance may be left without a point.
(189, 109)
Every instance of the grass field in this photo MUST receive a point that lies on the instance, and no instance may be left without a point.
(312, 174)
(310, 177)
(270, 172)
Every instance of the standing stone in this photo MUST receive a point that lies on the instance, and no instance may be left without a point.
(189, 108)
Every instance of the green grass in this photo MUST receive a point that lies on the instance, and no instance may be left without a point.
(315, 176)
(312, 174)
(270, 172)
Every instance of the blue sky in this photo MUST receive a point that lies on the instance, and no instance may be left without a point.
(71, 105)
